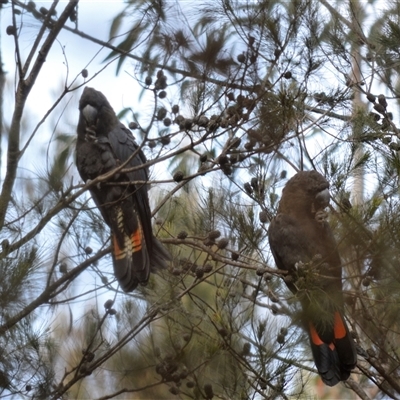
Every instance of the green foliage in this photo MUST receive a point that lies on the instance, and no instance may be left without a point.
(17, 278)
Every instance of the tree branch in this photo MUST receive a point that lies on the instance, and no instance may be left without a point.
(23, 90)
(48, 292)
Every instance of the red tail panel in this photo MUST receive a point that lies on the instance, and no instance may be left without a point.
(339, 328)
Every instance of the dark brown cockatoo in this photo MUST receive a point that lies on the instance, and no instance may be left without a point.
(104, 144)
(302, 243)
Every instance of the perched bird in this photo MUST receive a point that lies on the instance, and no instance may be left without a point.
(103, 144)
(302, 243)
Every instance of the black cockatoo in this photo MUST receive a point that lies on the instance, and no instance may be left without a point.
(302, 243)
(103, 144)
